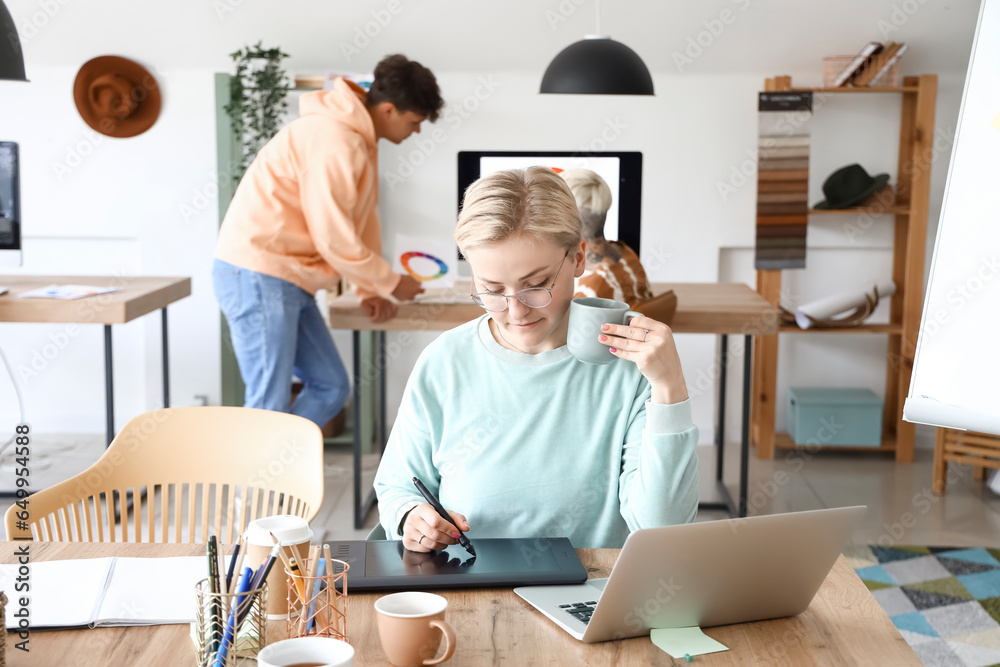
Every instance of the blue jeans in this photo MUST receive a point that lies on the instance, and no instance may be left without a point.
(277, 330)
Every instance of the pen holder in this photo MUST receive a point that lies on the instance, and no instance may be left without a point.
(316, 607)
(3, 619)
(229, 629)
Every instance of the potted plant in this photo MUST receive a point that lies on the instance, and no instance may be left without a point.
(258, 99)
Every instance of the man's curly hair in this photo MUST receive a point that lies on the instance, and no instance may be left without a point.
(408, 85)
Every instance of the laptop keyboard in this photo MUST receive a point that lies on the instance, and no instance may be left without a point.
(581, 611)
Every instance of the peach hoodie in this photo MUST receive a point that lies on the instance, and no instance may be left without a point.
(306, 209)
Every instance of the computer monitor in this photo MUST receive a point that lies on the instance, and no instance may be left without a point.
(621, 170)
(10, 206)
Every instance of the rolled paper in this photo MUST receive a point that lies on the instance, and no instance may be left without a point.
(831, 306)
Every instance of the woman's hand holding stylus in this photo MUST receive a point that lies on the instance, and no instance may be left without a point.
(424, 530)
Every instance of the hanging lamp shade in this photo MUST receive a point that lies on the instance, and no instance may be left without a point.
(597, 66)
(11, 58)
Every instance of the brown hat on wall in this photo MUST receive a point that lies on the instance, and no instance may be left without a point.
(116, 96)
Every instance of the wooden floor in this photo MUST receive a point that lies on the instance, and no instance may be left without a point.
(902, 509)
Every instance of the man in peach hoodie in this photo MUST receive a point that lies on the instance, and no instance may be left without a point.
(304, 215)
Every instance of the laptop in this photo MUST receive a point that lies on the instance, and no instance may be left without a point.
(703, 574)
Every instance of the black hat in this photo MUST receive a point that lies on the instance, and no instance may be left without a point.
(849, 185)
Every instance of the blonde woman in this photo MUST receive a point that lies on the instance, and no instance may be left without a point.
(512, 434)
(613, 269)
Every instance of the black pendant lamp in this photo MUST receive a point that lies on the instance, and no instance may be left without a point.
(597, 65)
(11, 58)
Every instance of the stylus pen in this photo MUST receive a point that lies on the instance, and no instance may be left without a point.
(462, 539)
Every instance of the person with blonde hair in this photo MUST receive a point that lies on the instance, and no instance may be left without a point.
(613, 269)
(513, 435)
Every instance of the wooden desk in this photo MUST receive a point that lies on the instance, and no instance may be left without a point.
(139, 296)
(702, 308)
(713, 308)
(844, 625)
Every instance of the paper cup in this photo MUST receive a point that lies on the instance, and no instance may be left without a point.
(290, 530)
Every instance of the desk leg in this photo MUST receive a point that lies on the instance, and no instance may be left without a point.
(720, 433)
(356, 339)
(726, 502)
(382, 368)
(368, 425)
(739, 507)
(745, 437)
(166, 360)
(109, 389)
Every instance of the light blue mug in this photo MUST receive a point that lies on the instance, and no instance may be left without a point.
(586, 316)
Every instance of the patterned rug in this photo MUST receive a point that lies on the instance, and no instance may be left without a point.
(944, 600)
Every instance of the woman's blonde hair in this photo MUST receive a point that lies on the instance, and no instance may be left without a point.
(534, 202)
(589, 189)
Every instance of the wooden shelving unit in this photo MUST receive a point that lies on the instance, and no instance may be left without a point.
(909, 210)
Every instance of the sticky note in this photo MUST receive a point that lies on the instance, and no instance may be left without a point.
(678, 642)
(996, 121)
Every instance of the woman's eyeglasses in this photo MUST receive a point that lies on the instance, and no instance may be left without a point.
(532, 297)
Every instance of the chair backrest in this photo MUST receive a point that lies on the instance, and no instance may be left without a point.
(661, 307)
(175, 474)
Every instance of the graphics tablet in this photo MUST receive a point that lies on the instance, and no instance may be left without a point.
(383, 565)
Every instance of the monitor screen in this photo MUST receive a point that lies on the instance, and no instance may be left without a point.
(622, 172)
(10, 213)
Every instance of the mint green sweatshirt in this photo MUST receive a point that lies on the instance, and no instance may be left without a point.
(537, 445)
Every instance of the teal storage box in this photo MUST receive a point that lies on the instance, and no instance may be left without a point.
(823, 416)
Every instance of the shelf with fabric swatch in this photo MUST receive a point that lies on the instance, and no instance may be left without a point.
(907, 202)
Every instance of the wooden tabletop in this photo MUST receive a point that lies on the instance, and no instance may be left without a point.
(718, 308)
(844, 625)
(139, 295)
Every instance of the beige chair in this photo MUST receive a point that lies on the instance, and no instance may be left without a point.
(180, 473)
(660, 307)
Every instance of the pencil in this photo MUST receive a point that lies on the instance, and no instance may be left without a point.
(307, 589)
(312, 605)
(291, 566)
(332, 594)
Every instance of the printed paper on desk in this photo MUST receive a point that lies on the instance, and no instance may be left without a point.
(66, 292)
(430, 261)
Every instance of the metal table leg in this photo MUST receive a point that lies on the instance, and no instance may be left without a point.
(362, 508)
(109, 389)
(166, 360)
(734, 508)
(358, 519)
(745, 438)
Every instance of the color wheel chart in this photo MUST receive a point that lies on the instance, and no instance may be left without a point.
(407, 257)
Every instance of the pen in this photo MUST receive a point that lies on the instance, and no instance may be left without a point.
(232, 566)
(462, 539)
(234, 622)
(215, 609)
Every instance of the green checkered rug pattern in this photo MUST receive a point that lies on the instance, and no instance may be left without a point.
(945, 601)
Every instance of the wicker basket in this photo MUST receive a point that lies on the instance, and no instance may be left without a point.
(834, 65)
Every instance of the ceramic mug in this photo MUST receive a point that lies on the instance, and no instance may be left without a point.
(289, 529)
(325, 651)
(586, 316)
(411, 625)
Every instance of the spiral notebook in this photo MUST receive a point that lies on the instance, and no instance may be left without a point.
(102, 592)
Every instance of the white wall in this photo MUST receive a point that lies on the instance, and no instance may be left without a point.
(119, 209)
(93, 205)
